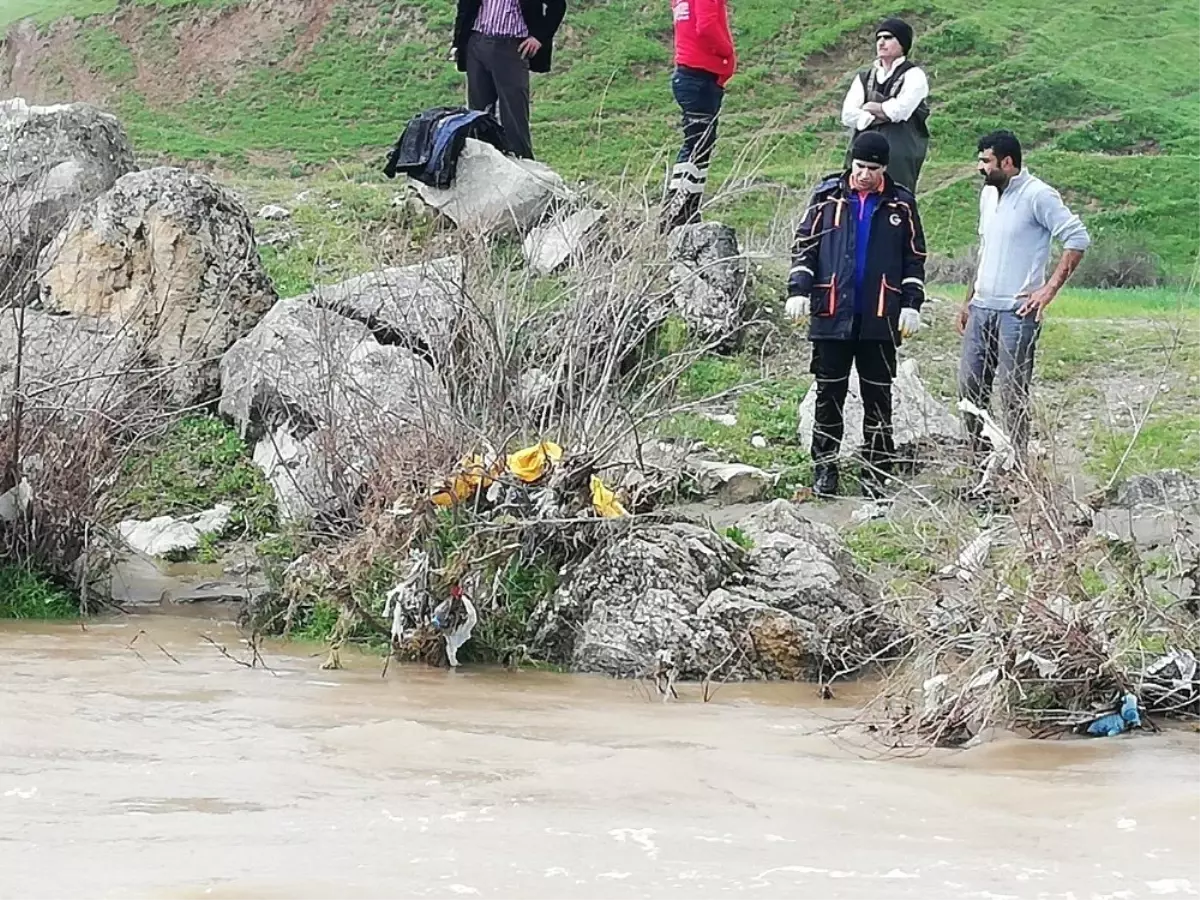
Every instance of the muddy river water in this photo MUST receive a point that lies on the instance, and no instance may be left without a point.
(126, 773)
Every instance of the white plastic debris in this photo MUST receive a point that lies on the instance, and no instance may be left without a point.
(1003, 456)
(462, 633)
(403, 602)
(971, 559)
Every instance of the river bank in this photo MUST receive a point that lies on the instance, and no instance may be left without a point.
(158, 767)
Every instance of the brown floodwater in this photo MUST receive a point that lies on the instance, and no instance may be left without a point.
(125, 772)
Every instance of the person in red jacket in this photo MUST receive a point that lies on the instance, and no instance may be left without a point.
(704, 63)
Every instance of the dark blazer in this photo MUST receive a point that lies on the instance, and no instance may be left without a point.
(542, 18)
(823, 262)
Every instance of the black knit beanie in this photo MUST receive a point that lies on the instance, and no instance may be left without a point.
(871, 147)
(900, 30)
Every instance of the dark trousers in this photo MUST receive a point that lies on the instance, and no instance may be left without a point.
(699, 98)
(498, 81)
(875, 362)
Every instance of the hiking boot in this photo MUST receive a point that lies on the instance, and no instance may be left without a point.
(825, 480)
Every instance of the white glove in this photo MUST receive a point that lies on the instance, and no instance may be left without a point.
(910, 322)
(797, 308)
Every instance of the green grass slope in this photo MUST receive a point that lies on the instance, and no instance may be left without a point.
(1104, 95)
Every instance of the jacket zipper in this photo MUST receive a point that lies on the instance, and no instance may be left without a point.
(883, 285)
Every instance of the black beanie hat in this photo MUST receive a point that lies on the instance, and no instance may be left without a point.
(900, 30)
(871, 147)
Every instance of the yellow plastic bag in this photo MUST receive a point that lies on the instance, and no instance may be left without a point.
(470, 476)
(530, 464)
(604, 501)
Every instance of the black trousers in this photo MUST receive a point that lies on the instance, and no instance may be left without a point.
(498, 80)
(875, 362)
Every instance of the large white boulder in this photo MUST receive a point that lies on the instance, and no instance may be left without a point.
(52, 160)
(170, 257)
(494, 193)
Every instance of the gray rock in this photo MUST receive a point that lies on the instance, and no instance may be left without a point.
(551, 246)
(52, 160)
(420, 306)
(917, 416)
(306, 480)
(335, 400)
(493, 193)
(170, 256)
(708, 275)
(1169, 489)
(794, 606)
(73, 366)
(164, 535)
(728, 483)
(273, 213)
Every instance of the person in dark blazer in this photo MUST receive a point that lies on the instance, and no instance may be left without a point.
(498, 43)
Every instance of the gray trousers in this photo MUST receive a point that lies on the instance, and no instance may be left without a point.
(498, 81)
(998, 347)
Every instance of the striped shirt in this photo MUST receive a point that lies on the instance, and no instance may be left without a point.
(501, 18)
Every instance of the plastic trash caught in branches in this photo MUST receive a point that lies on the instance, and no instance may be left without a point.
(472, 473)
(604, 501)
(530, 464)
(1116, 723)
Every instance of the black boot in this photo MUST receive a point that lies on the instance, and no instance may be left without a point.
(825, 480)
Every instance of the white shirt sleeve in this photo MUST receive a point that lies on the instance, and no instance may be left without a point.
(913, 90)
(853, 115)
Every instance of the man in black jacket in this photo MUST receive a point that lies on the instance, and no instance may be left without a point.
(858, 274)
(498, 43)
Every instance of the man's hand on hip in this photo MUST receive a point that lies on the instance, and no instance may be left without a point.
(910, 322)
(1036, 302)
(960, 322)
(529, 47)
(797, 308)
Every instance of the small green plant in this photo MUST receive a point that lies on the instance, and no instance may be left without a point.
(909, 546)
(25, 594)
(739, 537)
(500, 635)
(198, 462)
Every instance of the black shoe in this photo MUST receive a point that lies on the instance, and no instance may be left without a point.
(825, 482)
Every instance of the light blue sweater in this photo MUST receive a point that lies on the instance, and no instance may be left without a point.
(1014, 239)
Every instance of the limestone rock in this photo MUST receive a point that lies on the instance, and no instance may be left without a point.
(304, 478)
(794, 606)
(164, 535)
(493, 193)
(419, 306)
(729, 483)
(333, 400)
(551, 246)
(709, 277)
(273, 213)
(917, 416)
(1167, 489)
(171, 257)
(76, 366)
(52, 160)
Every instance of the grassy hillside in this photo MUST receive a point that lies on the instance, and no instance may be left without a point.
(1107, 98)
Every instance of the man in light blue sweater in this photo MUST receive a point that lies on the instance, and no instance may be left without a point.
(1002, 316)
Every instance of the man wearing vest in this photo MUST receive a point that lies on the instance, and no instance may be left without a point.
(498, 43)
(704, 63)
(890, 98)
(1002, 317)
(858, 274)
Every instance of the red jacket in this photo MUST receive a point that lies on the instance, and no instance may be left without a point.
(702, 37)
